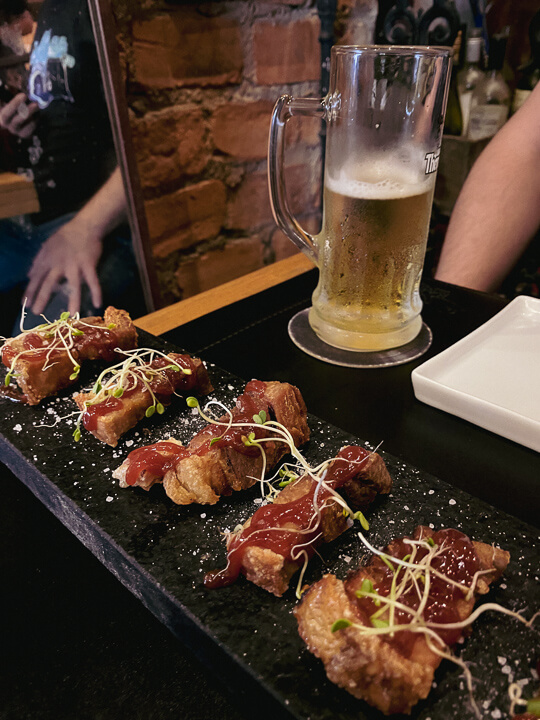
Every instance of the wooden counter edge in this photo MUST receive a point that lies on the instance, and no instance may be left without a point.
(168, 318)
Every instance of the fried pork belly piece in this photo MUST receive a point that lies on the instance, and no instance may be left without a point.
(274, 543)
(43, 360)
(110, 418)
(394, 671)
(217, 461)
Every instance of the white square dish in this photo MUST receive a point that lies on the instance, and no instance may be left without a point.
(492, 376)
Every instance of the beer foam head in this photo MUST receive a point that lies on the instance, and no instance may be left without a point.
(379, 179)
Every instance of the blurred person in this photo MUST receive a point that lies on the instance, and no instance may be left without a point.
(76, 253)
(16, 25)
(496, 219)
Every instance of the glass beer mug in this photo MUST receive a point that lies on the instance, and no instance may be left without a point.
(384, 114)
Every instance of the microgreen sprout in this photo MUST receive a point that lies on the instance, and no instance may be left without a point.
(277, 432)
(287, 477)
(341, 624)
(361, 519)
(410, 574)
(135, 370)
(531, 706)
(57, 336)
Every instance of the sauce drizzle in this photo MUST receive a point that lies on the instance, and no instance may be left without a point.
(283, 527)
(458, 562)
(163, 386)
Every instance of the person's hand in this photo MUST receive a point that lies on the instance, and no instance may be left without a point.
(18, 118)
(71, 254)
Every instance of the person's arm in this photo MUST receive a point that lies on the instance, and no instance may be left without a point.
(498, 209)
(72, 252)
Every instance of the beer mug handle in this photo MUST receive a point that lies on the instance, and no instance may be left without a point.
(284, 109)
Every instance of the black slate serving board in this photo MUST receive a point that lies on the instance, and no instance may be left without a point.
(161, 551)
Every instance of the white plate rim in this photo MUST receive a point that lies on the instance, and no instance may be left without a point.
(481, 412)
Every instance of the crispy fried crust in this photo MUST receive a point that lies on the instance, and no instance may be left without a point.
(365, 665)
(204, 478)
(39, 379)
(273, 571)
(112, 425)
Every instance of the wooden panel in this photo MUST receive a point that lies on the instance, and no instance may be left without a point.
(206, 302)
(17, 195)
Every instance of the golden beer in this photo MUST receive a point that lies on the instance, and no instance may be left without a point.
(371, 253)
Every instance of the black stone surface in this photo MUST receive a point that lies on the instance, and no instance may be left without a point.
(246, 637)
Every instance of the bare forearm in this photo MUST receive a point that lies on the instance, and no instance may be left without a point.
(498, 210)
(106, 209)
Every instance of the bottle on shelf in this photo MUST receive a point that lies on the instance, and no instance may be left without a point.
(469, 77)
(453, 123)
(490, 101)
(529, 74)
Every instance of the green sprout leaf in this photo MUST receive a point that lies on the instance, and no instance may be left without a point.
(366, 587)
(176, 368)
(150, 411)
(363, 522)
(77, 434)
(64, 316)
(118, 392)
(260, 418)
(430, 541)
(7, 379)
(215, 440)
(192, 402)
(340, 624)
(76, 332)
(249, 440)
(533, 706)
(387, 562)
(284, 483)
(97, 387)
(75, 373)
(378, 623)
(160, 408)
(111, 326)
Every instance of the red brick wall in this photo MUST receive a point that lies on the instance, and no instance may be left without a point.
(202, 79)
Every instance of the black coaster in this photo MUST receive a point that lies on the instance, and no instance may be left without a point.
(304, 337)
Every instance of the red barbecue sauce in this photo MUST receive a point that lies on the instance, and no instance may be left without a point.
(156, 459)
(459, 562)
(34, 342)
(247, 405)
(163, 387)
(96, 342)
(264, 529)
